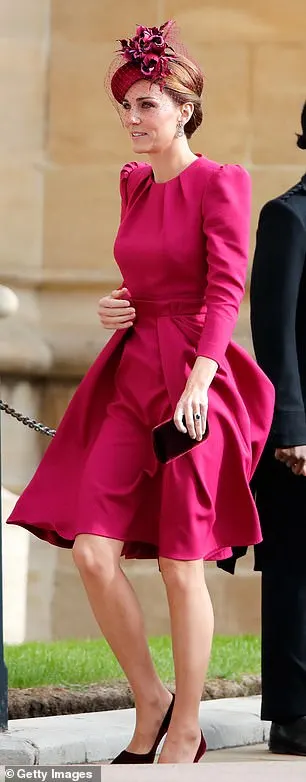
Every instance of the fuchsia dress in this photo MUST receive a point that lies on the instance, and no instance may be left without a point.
(182, 250)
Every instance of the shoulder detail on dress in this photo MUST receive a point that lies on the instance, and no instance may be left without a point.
(129, 167)
(232, 170)
(222, 178)
(131, 175)
(212, 167)
(208, 165)
(227, 177)
(228, 181)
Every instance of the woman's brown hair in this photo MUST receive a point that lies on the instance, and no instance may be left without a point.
(185, 85)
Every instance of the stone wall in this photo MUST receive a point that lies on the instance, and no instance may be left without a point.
(61, 148)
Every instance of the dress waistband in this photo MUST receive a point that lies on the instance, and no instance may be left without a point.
(169, 307)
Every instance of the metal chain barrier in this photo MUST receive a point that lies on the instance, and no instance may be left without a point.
(30, 422)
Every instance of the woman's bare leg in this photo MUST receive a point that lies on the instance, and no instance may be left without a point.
(117, 611)
(192, 623)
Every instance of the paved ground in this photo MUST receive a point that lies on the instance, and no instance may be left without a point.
(209, 772)
(99, 736)
(256, 753)
(241, 764)
(234, 732)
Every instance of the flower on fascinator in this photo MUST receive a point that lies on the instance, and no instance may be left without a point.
(148, 55)
(151, 65)
(149, 50)
(130, 50)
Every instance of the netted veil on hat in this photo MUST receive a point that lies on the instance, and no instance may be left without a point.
(148, 55)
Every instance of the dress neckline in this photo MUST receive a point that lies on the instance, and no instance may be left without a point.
(178, 176)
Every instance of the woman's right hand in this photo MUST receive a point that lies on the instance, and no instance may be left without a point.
(115, 311)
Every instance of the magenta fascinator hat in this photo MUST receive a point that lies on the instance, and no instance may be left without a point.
(148, 55)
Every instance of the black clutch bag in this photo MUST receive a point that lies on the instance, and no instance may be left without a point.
(169, 443)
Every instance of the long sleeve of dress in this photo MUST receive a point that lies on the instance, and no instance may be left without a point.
(226, 221)
(277, 270)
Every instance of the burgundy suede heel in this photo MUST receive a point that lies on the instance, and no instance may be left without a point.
(147, 757)
(201, 750)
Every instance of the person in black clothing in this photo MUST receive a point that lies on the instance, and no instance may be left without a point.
(278, 321)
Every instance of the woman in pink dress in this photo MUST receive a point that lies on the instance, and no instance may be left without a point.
(182, 249)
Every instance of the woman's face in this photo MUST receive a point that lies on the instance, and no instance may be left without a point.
(150, 117)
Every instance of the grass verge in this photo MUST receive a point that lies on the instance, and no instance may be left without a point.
(81, 662)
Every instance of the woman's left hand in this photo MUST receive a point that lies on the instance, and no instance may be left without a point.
(193, 404)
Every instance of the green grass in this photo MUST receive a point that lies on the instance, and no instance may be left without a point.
(78, 663)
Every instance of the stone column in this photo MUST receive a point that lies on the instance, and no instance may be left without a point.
(14, 548)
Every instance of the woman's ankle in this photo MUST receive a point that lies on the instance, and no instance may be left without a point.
(180, 730)
(153, 699)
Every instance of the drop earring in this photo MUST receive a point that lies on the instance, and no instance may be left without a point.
(179, 129)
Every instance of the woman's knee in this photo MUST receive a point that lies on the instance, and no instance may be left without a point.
(96, 556)
(181, 574)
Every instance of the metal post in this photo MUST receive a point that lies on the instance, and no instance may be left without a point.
(8, 305)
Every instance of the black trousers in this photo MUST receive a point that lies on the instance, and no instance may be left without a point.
(283, 641)
(281, 502)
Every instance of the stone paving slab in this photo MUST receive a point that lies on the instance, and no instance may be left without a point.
(208, 772)
(252, 754)
(99, 736)
(16, 751)
(231, 770)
